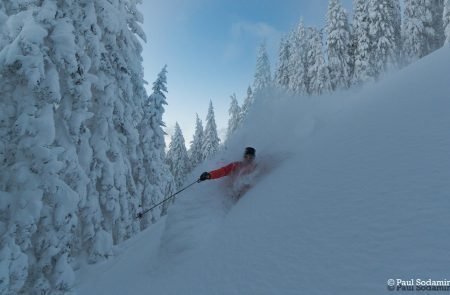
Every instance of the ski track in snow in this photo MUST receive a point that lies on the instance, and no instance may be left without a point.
(360, 194)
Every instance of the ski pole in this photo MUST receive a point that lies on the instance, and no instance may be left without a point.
(141, 214)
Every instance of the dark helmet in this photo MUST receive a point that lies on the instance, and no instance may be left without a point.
(250, 152)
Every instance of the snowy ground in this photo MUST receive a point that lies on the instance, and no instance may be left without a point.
(357, 193)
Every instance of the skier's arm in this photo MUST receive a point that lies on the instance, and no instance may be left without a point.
(224, 171)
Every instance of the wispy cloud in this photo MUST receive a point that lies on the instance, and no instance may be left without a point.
(245, 32)
(258, 29)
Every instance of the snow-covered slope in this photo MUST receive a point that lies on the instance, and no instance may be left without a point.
(355, 191)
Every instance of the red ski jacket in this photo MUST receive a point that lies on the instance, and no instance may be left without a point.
(230, 168)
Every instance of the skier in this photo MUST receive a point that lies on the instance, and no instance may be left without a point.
(235, 170)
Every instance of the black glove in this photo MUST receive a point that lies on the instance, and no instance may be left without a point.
(205, 176)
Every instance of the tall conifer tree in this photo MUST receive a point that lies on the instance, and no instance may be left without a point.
(211, 140)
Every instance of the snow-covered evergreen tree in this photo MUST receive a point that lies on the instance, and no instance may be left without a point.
(73, 114)
(195, 151)
(177, 157)
(248, 101)
(119, 97)
(319, 77)
(72, 89)
(156, 177)
(446, 21)
(414, 30)
(283, 71)
(88, 38)
(298, 64)
(38, 208)
(396, 15)
(211, 140)
(3, 32)
(338, 45)
(384, 31)
(419, 35)
(437, 10)
(361, 43)
(262, 79)
(235, 116)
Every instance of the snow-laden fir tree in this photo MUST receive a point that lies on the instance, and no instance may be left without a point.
(437, 10)
(284, 56)
(396, 15)
(211, 140)
(69, 147)
(248, 101)
(362, 70)
(119, 96)
(116, 110)
(298, 64)
(73, 114)
(262, 78)
(414, 30)
(195, 150)
(446, 21)
(134, 100)
(177, 157)
(235, 116)
(37, 207)
(338, 45)
(419, 36)
(384, 31)
(157, 179)
(94, 240)
(318, 73)
(3, 32)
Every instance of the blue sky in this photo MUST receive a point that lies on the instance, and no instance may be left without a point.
(210, 48)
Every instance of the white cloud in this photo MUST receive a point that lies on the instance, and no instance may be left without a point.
(258, 29)
(243, 32)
